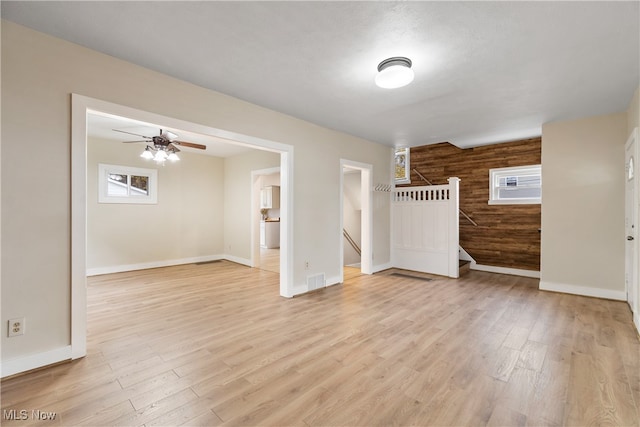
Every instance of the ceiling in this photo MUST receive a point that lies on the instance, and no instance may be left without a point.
(102, 126)
(486, 72)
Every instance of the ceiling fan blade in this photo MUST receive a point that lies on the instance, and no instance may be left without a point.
(173, 147)
(130, 133)
(142, 140)
(190, 144)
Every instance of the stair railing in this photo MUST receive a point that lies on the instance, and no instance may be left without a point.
(460, 210)
(352, 242)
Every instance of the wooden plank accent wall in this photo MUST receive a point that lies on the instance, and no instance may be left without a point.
(506, 235)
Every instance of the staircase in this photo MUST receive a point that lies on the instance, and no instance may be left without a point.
(463, 267)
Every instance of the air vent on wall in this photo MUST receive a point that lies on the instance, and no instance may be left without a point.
(315, 282)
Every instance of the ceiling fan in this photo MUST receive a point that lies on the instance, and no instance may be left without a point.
(162, 147)
(165, 141)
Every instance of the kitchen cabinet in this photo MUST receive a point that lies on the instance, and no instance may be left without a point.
(270, 197)
(270, 234)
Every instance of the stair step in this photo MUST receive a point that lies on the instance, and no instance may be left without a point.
(463, 267)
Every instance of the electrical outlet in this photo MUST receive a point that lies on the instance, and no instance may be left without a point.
(306, 265)
(16, 327)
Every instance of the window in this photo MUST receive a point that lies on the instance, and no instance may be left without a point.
(516, 185)
(123, 184)
(402, 166)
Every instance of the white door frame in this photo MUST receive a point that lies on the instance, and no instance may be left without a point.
(632, 222)
(80, 107)
(366, 233)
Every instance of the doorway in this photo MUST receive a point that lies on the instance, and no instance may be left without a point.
(631, 222)
(266, 219)
(352, 218)
(356, 232)
(81, 106)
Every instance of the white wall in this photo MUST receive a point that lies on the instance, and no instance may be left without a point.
(39, 74)
(186, 223)
(582, 247)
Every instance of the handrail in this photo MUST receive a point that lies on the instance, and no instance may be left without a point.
(422, 176)
(352, 242)
(460, 210)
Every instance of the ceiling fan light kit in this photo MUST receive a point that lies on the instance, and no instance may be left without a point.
(147, 154)
(394, 72)
(161, 154)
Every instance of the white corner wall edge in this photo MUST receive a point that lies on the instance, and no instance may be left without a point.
(153, 264)
(505, 270)
(583, 291)
(34, 361)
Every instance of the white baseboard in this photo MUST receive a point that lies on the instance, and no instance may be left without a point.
(505, 270)
(153, 264)
(297, 290)
(33, 361)
(636, 322)
(381, 267)
(238, 260)
(331, 281)
(583, 290)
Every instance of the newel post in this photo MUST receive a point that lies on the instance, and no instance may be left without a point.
(454, 224)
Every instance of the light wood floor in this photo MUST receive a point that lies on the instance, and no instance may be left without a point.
(214, 344)
(270, 260)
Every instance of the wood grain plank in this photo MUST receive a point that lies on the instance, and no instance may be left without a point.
(378, 350)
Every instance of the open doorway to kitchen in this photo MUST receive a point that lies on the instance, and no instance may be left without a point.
(265, 219)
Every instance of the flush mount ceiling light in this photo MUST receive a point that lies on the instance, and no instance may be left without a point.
(394, 72)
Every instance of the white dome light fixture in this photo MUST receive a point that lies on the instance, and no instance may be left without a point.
(394, 72)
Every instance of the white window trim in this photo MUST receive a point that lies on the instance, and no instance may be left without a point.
(516, 170)
(104, 170)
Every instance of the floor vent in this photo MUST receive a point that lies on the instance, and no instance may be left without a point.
(409, 276)
(315, 282)
(207, 262)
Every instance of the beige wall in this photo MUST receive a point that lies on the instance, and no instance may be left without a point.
(39, 74)
(582, 248)
(187, 221)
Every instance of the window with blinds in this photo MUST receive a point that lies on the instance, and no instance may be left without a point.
(515, 185)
